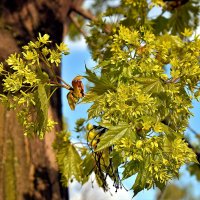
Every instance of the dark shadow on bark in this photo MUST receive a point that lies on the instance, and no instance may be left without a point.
(43, 186)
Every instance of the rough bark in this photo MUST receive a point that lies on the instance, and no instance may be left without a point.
(27, 166)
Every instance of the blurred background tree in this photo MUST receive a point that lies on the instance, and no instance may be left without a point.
(173, 191)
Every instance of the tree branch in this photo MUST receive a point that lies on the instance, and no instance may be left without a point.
(75, 22)
(192, 130)
(87, 15)
(84, 13)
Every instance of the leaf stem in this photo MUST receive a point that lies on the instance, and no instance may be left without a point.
(66, 84)
(60, 85)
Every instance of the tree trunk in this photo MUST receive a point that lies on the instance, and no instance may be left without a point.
(27, 166)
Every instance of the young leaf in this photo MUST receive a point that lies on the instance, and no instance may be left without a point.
(42, 109)
(154, 87)
(101, 84)
(169, 131)
(130, 169)
(88, 165)
(151, 85)
(144, 80)
(90, 97)
(137, 187)
(69, 162)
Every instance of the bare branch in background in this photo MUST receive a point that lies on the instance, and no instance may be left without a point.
(192, 130)
(75, 22)
(191, 146)
(83, 12)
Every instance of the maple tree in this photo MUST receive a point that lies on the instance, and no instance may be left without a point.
(141, 111)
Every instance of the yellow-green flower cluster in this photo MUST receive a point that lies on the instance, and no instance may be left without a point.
(158, 158)
(26, 86)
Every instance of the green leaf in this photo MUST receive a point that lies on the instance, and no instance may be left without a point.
(90, 97)
(94, 110)
(185, 16)
(43, 76)
(98, 180)
(42, 102)
(114, 134)
(145, 80)
(101, 84)
(69, 163)
(154, 87)
(116, 159)
(160, 185)
(169, 131)
(160, 24)
(79, 124)
(103, 64)
(139, 183)
(88, 165)
(130, 169)
(91, 76)
(194, 169)
(151, 85)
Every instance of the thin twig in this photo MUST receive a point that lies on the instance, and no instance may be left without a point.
(69, 87)
(83, 12)
(173, 80)
(60, 85)
(75, 22)
(192, 130)
(87, 15)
